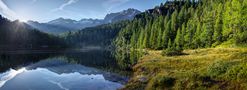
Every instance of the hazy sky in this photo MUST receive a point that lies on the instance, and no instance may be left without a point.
(46, 10)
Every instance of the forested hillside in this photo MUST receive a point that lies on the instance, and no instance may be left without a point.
(18, 35)
(188, 25)
(185, 24)
(102, 35)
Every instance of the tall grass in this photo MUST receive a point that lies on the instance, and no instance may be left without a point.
(212, 68)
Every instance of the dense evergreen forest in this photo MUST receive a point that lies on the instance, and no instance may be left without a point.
(17, 35)
(184, 24)
(102, 35)
(187, 25)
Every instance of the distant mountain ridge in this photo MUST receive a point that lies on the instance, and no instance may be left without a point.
(62, 25)
(75, 25)
(48, 28)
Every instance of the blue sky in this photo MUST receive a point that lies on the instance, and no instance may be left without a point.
(46, 10)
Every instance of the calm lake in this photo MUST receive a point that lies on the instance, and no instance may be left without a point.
(63, 70)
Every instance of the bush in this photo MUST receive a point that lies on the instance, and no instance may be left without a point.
(219, 68)
(172, 52)
(160, 82)
(242, 38)
(238, 72)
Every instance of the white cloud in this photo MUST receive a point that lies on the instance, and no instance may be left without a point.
(110, 4)
(6, 11)
(69, 2)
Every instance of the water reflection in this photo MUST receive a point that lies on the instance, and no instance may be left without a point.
(9, 75)
(69, 70)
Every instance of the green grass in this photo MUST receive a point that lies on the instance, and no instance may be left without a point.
(212, 68)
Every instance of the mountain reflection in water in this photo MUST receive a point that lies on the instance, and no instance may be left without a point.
(59, 73)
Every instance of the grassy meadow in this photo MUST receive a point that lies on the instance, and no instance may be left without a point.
(211, 68)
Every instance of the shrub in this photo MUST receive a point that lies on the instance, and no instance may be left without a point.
(172, 52)
(242, 38)
(219, 68)
(238, 72)
(160, 82)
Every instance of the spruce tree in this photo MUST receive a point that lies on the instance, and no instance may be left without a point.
(178, 40)
(218, 25)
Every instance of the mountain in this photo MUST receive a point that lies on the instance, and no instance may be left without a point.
(62, 25)
(119, 16)
(44, 27)
(75, 25)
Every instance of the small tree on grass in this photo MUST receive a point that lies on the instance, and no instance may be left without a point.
(172, 50)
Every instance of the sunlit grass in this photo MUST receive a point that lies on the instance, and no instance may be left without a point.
(212, 68)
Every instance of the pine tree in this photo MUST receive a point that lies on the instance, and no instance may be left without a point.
(218, 25)
(196, 41)
(181, 18)
(244, 16)
(183, 33)
(160, 32)
(148, 34)
(203, 36)
(174, 24)
(145, 39)
(166, 34)
(133, 40)
(178, 40)
(170, 44)
(227, 26)
(242, 34)
(152, 36)
(236, 16)
(140, 39)
(189, 34)
(209, 26)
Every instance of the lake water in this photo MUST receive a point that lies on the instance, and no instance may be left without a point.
(63, 70)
